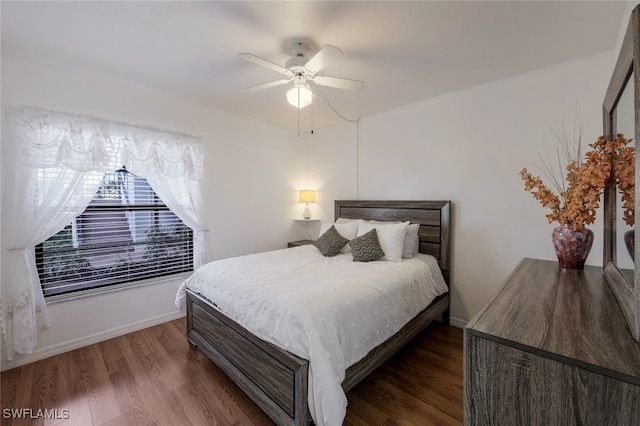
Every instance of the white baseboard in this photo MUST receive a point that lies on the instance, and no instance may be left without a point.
(457, 322)
(89, 340)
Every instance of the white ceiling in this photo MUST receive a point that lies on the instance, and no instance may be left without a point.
(403, 51)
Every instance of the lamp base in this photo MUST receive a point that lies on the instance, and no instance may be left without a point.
(307, 212)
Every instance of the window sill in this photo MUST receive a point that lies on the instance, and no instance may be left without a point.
(118, 287)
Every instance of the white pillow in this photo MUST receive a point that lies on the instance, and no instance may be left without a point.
(391, 237)
(411, 240)
(345, 220)
(324, 227)
(349, 230)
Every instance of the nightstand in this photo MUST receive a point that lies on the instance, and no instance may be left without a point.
(299, 243)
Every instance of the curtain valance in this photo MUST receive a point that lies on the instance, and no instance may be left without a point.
(51, 139)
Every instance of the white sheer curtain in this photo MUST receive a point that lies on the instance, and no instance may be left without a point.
(56, 159)
(187, 205)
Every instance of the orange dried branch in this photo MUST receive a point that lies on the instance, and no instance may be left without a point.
(578, 202)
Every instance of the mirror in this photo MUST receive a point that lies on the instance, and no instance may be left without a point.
(621, 113)
(624, 123)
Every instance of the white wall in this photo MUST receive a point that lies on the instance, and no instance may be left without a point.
(332, 152)
(468, 147)
(251, 169)
(623, 24)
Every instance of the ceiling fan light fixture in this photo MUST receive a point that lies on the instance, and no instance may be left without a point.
(300, 96)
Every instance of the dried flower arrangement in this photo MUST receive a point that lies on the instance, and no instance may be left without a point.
(579, 194)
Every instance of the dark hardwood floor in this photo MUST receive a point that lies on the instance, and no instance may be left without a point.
(152, 377)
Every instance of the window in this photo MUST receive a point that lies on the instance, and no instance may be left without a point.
(126, 234)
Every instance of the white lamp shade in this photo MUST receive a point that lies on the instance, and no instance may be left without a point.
(307, 196)
(300, 96)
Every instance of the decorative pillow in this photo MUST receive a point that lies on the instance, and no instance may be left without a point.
(390, 236)
(346, 228)
(411, 244)
(366, 247)
(330, 242)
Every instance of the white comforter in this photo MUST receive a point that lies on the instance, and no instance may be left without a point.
(329, 310)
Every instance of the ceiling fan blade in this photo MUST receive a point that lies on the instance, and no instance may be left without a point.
(263, 62)
(267, 85)
(337, 82)
(324, 57)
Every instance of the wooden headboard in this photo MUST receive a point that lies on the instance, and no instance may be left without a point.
(434, 218)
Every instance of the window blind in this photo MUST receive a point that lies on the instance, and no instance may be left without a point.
(126, 234)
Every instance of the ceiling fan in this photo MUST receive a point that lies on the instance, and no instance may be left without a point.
(301, 70)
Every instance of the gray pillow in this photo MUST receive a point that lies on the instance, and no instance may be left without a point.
(366, 247)
(330, 242)
(411, 241)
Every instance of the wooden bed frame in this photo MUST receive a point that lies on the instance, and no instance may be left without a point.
(275, 379)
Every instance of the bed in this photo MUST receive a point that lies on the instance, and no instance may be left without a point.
(276, 379)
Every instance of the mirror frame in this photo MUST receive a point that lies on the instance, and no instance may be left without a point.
(627, 293)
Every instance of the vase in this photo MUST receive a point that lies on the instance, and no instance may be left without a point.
(630, 242)
(572, 247)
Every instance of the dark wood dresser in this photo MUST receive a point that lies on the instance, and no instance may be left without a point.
(552, 348)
